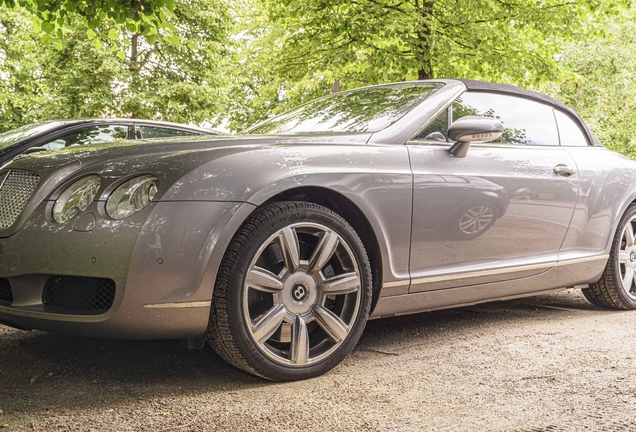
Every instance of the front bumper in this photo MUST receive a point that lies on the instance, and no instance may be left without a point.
(159, 260)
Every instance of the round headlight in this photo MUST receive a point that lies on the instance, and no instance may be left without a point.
(132, 196)
(75, 198)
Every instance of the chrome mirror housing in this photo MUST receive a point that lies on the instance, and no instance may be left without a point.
(472, 129)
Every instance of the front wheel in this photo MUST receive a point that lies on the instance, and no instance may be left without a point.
(293, 293)
(617, 287)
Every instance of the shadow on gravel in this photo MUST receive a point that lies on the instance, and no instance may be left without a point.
(40, 371)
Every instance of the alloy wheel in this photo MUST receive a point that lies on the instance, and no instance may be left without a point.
(301, 294)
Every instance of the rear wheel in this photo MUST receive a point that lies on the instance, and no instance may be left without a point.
(617, 287)
(293, 293)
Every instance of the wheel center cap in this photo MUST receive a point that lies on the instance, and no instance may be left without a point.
(300, 292)
(632, 256)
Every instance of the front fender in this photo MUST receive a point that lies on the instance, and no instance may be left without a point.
(377, 179)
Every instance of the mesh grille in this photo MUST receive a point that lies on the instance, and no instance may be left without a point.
(6, 296)
(15, 190)
(74, 292)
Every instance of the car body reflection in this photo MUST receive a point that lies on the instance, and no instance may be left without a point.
(461, 207)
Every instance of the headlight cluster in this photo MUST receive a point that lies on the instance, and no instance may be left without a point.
(129, 198)
(76, 198)
(132, 196)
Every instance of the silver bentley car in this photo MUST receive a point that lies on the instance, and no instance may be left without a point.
(276, 246)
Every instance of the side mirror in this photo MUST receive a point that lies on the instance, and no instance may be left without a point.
(472, 129)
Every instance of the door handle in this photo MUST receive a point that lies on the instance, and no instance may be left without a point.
(564, 170)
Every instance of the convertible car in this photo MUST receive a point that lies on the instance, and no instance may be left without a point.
(277, 246)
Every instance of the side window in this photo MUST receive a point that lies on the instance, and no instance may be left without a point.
(436, 130)
(90, 135)
(569, 132)
(159, 132)
(525, 121)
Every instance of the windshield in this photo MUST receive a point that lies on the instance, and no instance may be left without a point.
(15, 135)
(364, 110)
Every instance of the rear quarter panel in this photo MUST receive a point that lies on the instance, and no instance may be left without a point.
(607, 186)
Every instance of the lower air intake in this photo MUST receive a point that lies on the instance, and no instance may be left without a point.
(6, 296)
(79, 293)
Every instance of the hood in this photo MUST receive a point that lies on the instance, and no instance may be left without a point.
(169, 160)
(178, 147)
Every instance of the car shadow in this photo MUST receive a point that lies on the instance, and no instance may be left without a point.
(41, 371)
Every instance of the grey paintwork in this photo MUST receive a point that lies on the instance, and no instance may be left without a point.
(551, 231)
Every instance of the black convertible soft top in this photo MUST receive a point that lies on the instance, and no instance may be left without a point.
(510, 89)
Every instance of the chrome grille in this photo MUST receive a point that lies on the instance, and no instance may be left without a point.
(16, 188)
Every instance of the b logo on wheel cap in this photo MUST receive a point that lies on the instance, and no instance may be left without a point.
(299, 292)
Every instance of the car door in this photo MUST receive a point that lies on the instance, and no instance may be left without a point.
(501, 212)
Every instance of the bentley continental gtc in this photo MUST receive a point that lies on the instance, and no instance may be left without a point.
(276, 246)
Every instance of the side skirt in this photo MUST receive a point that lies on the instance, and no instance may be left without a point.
(563, 274)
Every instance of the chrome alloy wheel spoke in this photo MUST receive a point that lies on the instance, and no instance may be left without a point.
(343, 284)
(331, 323)
(324, 251)
(300, 342)
(627, 259)
(269, 323)
(289, 246)
(629, 234)
(623, 257)
(298, 312)
(264, 280)
(628, 279)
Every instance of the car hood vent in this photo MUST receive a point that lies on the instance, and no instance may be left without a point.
(16, 188)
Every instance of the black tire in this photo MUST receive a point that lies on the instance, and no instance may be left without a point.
(232, 332)
(610, 291)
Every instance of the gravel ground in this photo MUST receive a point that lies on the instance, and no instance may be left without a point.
(549, 363)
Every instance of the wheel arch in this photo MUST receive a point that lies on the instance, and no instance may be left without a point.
(617, 219)
(350, 212)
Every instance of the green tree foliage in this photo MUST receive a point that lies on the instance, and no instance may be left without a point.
(52, 15)
(100, 71)
(297, 49)
(602, 83)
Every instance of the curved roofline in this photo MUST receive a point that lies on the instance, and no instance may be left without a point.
(475, 85)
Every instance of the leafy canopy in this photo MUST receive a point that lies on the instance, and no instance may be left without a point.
(601, 85)
(294, 50)
(95, 71)
(143, 15)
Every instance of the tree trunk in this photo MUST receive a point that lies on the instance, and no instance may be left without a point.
(426, 72)
(134, 47)
(424, 42)
(335, 86)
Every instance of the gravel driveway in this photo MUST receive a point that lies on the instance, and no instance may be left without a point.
(549, 363)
